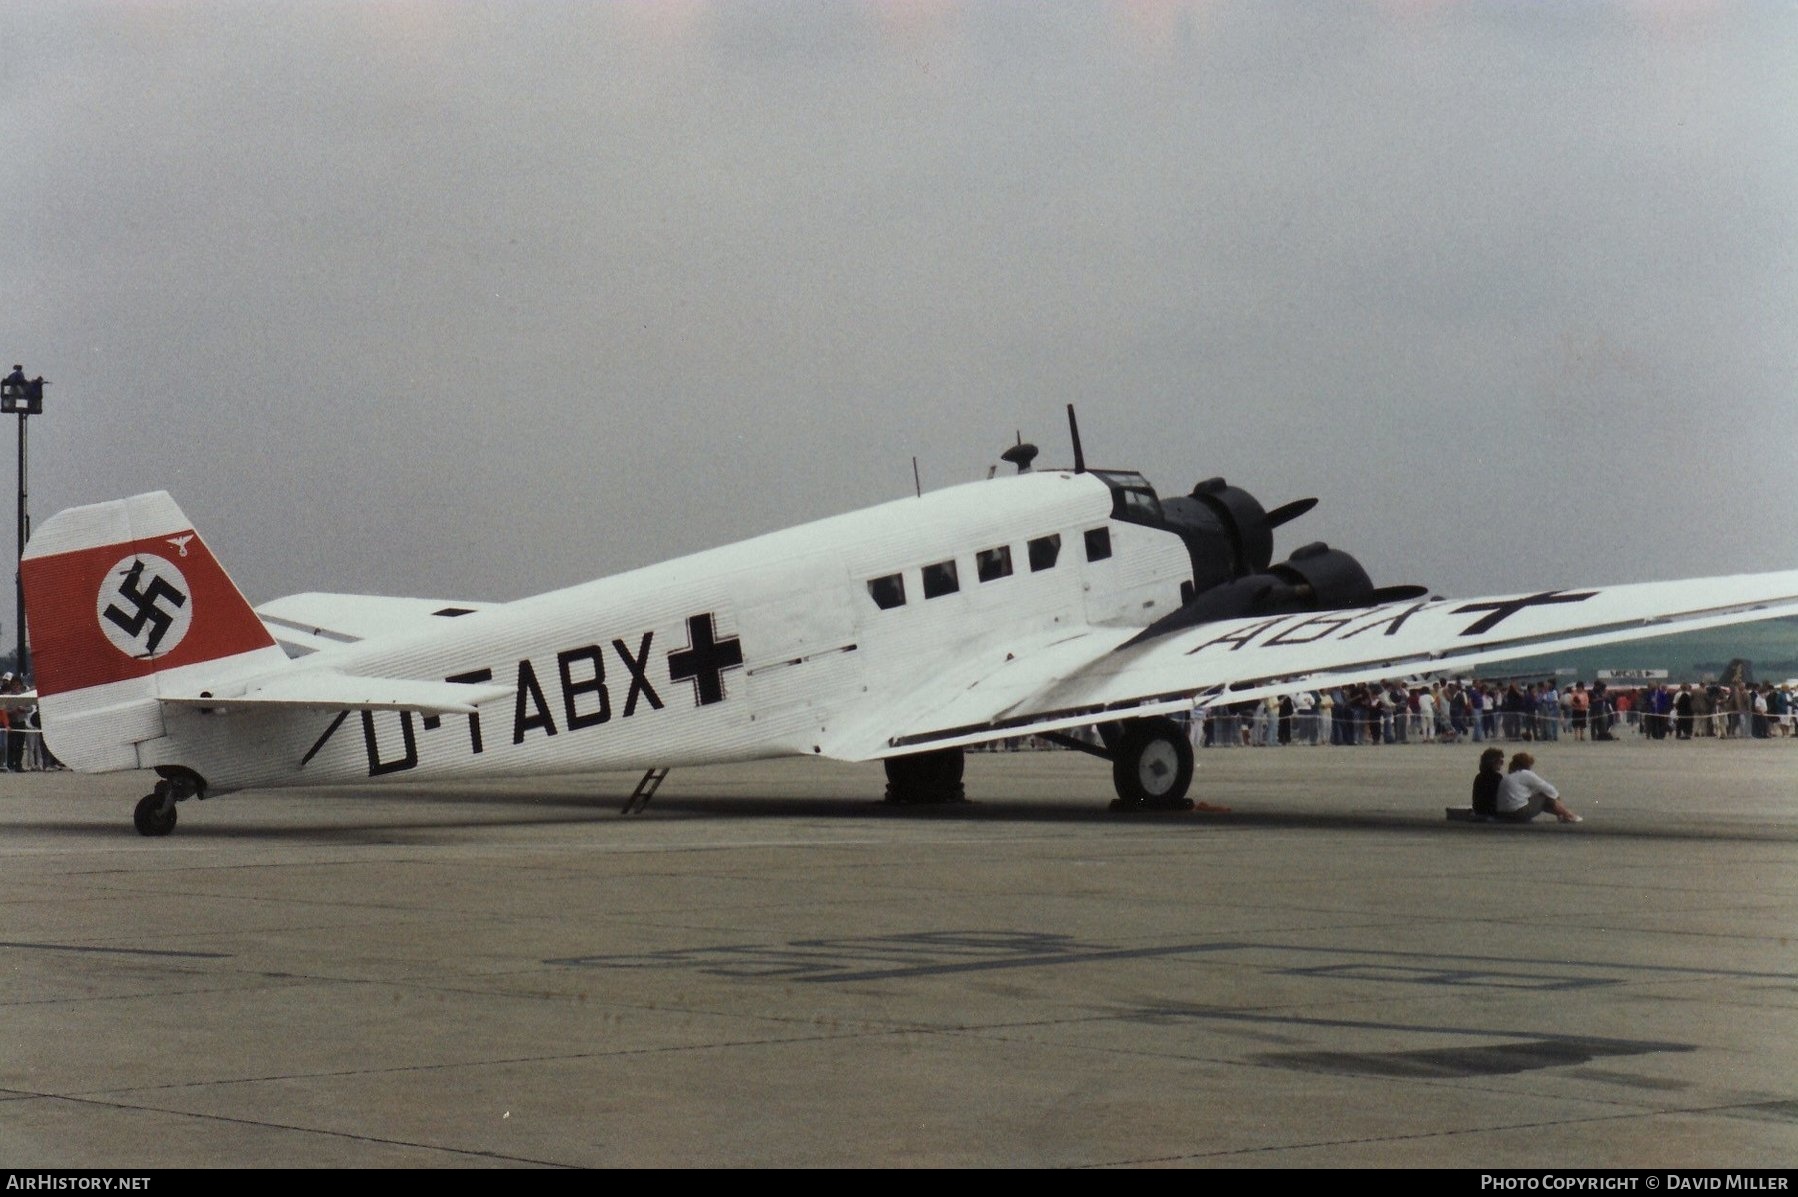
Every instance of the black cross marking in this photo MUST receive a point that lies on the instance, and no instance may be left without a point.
(704, 660)
(147, 610)
(1505, 609)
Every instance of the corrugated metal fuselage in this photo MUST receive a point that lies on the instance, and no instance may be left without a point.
(755, 649)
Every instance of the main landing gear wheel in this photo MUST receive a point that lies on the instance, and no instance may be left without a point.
(926, 778)
(1151, 766)
(155, 814)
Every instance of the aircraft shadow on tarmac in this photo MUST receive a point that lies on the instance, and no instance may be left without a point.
(542, 806)
(1427, 821)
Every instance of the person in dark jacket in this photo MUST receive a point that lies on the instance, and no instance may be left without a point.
(1486, 783)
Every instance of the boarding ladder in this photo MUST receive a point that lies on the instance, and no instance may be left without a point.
(646, 788)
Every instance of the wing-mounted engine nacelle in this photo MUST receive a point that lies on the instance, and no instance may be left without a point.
(1315, 578)
(1324, 579)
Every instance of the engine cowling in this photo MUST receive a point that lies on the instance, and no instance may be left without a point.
(1325, 579)
(1225, 527)
(1315, 578)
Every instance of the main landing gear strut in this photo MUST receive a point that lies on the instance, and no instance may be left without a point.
(155, 813)
(925, 778)
(1151, 762)
(1151, 767)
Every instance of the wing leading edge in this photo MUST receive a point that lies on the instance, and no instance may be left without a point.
(1100, 674)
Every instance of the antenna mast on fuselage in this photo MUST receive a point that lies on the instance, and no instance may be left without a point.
(1074, 431)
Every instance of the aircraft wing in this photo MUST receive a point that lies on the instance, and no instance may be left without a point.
(307, 623)
(328, 690)
(1106, 673)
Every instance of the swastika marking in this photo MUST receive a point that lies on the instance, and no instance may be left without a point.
(143, 608)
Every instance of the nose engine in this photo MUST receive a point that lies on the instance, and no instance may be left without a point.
(1229, 536)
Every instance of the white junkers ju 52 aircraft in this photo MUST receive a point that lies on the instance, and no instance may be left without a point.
(1035, 602)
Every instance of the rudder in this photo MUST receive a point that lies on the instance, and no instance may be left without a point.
(121, 599)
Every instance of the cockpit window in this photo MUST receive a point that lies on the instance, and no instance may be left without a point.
(940, 579)
(888, 592)
(993, 564)
(1132, 498)
(1139, 505)
(1043, 552)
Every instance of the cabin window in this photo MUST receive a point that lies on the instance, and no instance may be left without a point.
(1098, 544)
(993, 564)
(888, 592)
(1043, 552)
(940, 579)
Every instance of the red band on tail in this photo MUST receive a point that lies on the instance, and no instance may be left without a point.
(121, 611)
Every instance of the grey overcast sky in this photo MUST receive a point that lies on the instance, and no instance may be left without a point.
(473, 300)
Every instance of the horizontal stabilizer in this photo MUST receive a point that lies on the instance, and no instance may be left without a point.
(305, 623)
(327, 690)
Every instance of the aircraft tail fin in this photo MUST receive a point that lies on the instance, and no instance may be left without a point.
(124, 603)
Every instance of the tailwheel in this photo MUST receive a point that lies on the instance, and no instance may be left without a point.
(155, 813)
(925, 778)
(1151, 766)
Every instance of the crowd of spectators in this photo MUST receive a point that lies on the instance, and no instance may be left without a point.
(1481, 710)
(1516, 711)
(21, 740)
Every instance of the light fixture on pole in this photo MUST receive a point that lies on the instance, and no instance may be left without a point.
(25, 397)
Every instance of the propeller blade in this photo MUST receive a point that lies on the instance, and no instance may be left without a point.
(1290, 512)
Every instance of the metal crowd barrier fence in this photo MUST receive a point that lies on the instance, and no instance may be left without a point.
(1315, 728)
(34, 757)
(1222, 730)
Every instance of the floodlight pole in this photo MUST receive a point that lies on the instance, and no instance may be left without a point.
(25, 397)
(24, 535)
